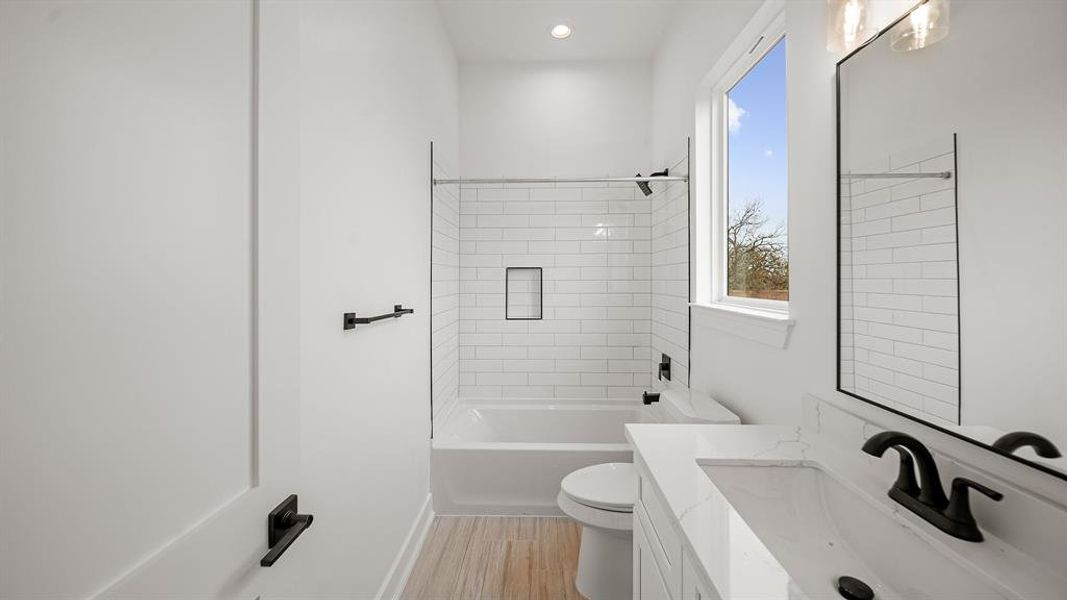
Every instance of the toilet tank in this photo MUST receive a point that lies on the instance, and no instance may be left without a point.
(688, 406)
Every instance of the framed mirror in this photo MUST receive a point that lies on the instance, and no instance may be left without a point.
(952, 239)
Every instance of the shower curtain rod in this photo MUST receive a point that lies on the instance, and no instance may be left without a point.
(936, 175)
(561, 180)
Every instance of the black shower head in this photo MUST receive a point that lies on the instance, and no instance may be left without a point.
(647, 189)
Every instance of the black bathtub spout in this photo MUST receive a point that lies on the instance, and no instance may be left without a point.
(649, 397)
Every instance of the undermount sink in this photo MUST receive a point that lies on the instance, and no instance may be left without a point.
(820, 529)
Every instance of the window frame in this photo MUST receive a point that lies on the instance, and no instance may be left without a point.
(744, 61)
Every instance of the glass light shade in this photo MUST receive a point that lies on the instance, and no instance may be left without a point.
(927, 24)
(846, 24)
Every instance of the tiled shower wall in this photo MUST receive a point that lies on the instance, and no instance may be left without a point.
(594, 244)
(899, 292)
(670, 275)
(444, 274)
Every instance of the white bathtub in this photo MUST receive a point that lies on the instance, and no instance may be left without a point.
(501, 458)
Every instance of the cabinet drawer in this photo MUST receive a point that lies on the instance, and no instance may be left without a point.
(665, 543)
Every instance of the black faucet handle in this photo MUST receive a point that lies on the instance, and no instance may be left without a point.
(961, 484)
(959, 505)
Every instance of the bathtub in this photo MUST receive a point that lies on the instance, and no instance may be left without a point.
(501, 458)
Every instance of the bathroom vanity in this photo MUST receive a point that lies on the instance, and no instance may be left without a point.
(731, 512)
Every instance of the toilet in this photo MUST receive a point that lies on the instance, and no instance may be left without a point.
(601, 498)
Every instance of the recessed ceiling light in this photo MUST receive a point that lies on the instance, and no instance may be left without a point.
(561, 31)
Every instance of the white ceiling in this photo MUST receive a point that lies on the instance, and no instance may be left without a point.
(517, 30)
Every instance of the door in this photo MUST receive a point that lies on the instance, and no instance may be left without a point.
(148, 301)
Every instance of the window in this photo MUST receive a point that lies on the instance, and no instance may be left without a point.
(753, 233)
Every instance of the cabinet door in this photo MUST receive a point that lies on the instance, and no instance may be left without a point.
(692, 586)
(648, 581)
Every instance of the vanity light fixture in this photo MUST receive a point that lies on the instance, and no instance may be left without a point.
(562, 32)
(846, 24)
(927, 24)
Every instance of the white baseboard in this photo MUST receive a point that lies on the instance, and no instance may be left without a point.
(400, 570)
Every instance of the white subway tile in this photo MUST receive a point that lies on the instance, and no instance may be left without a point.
(925, 287)
(528, 339)
(529, 208)
(580, 207)
(933, 252)
(581, 392)
(527, 365)
(606, 326)
(555, 194)
(553, 379)
(555, 220)
(526, 391)
(502, 379)
(612, 379)
(607, 352)
(481, 233)
(503, 221)
(942, 375)
(624, 339)
(566, 352)
(581, 339)
(581, 366)
(935, 322)
(927, 354)
(628, 366)
(528, 234)
(948, 305)
(497, 352)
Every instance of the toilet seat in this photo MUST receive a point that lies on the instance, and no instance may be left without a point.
(609, 486)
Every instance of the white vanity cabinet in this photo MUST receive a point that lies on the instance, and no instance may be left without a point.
(662, 568)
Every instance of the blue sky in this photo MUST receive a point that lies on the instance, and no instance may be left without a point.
(757, 138)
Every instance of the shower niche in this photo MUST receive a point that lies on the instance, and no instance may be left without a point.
(524, 294)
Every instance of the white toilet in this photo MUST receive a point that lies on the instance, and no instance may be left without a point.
(601, 498)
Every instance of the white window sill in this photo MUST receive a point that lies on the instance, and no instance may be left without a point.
(765, 326)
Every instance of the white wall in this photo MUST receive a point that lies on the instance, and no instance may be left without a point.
(695, 38)
(549, 119)
(760, 383)
(379, 82)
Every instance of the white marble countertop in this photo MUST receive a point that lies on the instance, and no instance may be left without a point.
(731, 556)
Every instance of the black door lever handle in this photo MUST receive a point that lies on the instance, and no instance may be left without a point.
(284, 525)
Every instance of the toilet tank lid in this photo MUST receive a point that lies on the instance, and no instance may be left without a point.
(688, 406)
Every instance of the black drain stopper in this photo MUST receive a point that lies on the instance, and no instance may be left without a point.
(851, 588)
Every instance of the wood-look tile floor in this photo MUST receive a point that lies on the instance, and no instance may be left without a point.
(497, 558)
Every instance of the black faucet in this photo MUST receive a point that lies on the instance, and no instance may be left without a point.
(649, 397)
(1010, 442)
(953, 516)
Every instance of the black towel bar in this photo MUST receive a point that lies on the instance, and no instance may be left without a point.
(351, 320)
